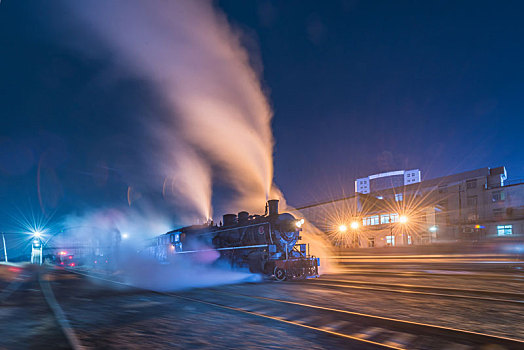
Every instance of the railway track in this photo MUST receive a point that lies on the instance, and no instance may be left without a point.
(426, 272)
(59, 314)
(26, 303)
(370, 330)
(380, 331)
(441, 292)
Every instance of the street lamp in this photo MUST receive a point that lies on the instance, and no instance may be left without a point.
(342, 228)
(354, 225)
(402, 220)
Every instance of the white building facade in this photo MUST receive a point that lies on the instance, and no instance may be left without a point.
(383, 181)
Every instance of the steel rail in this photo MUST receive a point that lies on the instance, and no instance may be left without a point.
(252, 313)
(364, 271)
(414, 327)
(415, 292)
(416, 286)
(59, 314)
(481, 338)
(283, 320)
(519, 297)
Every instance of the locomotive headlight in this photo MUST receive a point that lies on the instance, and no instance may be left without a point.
(299, 223)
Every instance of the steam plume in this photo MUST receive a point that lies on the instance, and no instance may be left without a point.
(219, 118)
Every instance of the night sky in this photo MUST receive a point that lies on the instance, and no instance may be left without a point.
(356, 88)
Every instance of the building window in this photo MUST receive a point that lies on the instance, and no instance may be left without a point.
(370, 220)
(394, 217)
(504, 230)
(471, 184)
(371, 242)
(398, 197)
(390, 240)
(384, 219)
(498, 196)
(442, 189)
(409, 240)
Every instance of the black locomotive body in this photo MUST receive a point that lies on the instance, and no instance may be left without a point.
(265, 244)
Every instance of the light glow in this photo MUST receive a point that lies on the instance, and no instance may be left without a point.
(299, 223)
(433, 228)
(403, 219)
(342, 228)
(354, 225)
(125, 235)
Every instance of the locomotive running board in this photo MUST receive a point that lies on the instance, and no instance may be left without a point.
(228, 248)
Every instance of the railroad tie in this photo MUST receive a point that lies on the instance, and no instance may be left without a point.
(369, 332)
(457, 346)
(335, 326)
(400, 340)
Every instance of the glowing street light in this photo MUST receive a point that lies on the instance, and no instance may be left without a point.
(354, 225)
(342, 228)
(125, 236)
(433, 228)
(403, 219)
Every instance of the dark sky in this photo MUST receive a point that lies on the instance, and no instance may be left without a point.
(357, 87)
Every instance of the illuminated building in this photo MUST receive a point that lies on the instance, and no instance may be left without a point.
(471, 205)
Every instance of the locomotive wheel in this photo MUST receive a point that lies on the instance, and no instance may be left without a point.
(280, 274)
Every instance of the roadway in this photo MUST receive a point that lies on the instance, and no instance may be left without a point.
(437, 302)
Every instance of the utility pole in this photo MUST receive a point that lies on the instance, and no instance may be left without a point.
(5, 248)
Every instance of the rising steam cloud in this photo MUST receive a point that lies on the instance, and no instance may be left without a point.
(218, 120)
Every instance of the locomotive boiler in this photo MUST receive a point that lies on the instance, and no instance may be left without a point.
(265, 244)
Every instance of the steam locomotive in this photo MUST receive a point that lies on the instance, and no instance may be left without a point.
(266, 244)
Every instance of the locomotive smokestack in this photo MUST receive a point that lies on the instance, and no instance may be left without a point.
(229, 219)
(243, 217)
(273, 206)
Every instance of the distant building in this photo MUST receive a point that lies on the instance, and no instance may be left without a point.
(472, 205)
(387, 180)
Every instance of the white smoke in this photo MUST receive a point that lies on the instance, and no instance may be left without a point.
(116, 242)
(219, 119)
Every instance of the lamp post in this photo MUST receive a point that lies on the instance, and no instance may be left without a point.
(402, 220)
(5, 248)
(354, 227)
